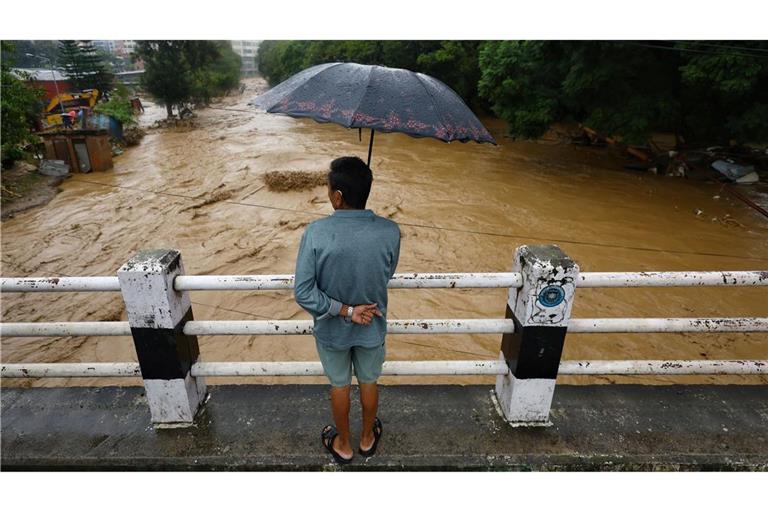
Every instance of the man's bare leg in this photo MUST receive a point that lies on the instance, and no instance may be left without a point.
(340, 408)
(369, 399)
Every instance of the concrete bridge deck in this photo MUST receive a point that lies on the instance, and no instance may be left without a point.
(609, 427)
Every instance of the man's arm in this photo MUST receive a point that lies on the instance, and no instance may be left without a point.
(305, 290)
(395, 255)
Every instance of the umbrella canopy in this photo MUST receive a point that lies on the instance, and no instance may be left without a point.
(376, 97)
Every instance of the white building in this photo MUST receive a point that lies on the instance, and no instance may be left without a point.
(129, 46)
(105, 45)
(247, 50)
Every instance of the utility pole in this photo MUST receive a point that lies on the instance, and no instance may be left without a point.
(53, 76)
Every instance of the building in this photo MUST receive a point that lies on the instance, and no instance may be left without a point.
(129, 46)
(247, 50)
(105, 45)
(45, 79)
(124, 48)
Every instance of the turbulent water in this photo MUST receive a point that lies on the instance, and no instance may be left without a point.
(461, 207)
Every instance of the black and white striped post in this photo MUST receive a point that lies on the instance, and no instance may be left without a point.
(540, 308)
(157, 314)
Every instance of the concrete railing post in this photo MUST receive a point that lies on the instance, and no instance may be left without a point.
(157, 314)
(540, 309)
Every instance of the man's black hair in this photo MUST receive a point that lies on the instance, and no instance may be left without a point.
(353, 178)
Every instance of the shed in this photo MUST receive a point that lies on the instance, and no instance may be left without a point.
(82, 150)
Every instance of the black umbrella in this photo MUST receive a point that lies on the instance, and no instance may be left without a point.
(376, 97)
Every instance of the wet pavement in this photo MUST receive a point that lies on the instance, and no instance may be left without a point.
(621, 427)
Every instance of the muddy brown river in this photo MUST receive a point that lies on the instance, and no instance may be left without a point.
(461, 208)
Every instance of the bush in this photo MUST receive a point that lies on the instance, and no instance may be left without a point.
(20, 107)
(119, 106)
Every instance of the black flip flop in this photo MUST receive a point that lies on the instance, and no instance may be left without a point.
(328, 434)
(372, 450)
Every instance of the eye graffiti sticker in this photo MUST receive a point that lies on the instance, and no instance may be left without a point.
(551, 303)
(551, 296)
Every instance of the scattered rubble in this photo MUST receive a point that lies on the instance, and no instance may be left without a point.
(132, 135)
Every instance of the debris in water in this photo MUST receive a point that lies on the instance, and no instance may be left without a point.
(132, 135)
(177, 125)
(286, 181)
(727, 221)
(215, 197)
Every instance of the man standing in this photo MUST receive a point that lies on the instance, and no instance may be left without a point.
(344, 264)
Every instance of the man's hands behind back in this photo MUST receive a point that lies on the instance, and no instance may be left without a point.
(363, 313)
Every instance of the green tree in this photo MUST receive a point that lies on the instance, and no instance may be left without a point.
(455, 63)
(730, 78)
(97, 68)
(215, 69)
(615, 88)
(280, 59)
(71, 61)
(167, 73)
(19, 105)
(178, 72)
(84, 66)
(707, 92)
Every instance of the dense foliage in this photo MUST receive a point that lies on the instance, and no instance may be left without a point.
(20, 105)
(119, 105)
(724, 91)
(706, 92)
(178, 72)
(215, 69)
(85, 67)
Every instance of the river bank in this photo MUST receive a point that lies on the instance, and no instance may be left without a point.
(24, 188)
(461, 208)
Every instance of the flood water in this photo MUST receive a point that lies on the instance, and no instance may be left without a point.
(461, 208)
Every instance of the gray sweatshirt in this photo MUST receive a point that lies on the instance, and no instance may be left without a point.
(347, 257)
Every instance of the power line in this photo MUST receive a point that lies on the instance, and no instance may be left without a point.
(692, 50)
(746, 48)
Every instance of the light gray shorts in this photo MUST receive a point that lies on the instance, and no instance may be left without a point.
(339, 363)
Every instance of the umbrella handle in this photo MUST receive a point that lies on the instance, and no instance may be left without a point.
(370, 149)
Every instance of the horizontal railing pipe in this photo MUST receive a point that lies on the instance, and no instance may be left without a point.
(403, 280)
(649, 325)
(409, 280)
(661, 367)
(642, 279)
(60, 284)
(403, 368)
(46, 329)
(415, 326)
(53, 370)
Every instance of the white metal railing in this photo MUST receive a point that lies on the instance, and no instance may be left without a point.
(417, 326)
(311, 368)
(406, 280)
